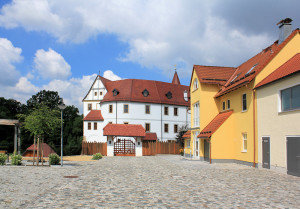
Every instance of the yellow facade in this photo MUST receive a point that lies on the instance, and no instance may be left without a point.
(227, 143)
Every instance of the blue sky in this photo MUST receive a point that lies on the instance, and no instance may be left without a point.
(61, 45)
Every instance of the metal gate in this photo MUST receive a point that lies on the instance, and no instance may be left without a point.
(293, 155)
(124, 147)
(266, 152)
(206, 150)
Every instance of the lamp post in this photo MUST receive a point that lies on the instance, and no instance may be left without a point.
(61, 107)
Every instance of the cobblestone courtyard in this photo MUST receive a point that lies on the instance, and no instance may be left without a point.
(164, 181)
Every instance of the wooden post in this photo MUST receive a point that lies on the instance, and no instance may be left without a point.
(16, 138)
(34, 149)
(19, 140)
(38, 151)
(42, 150)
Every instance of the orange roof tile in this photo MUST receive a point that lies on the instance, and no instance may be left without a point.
(215, 124)
(47, 150)
(130, 130)
(288, 68)
(187, 135)
(247, 71)
(150, 136)
(213, 74)
(94, 115)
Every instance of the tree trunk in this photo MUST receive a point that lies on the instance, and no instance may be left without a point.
(38, 151)
(42, 151)
(34, 149)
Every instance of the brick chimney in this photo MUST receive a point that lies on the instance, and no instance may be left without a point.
(285, 29)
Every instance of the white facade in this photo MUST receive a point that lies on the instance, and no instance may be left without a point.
(136, 115)
(275, 123)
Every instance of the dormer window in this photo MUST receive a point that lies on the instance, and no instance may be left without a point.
(145, 93)
(115, 92)
(169, 95)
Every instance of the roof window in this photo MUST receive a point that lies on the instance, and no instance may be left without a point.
(169, 95)
(251, 69)
(145, 93)
(235, 77)
(115, 92)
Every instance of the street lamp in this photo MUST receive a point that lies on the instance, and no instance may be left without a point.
(61, 107)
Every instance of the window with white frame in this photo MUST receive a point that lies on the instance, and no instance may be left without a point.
(244, 138)
(195, 84)
(290, 98)
(196, 115)
(244, 102)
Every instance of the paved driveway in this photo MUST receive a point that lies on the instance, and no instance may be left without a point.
(164, 181)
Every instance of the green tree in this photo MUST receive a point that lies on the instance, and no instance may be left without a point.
(49, 98)
(181, 132)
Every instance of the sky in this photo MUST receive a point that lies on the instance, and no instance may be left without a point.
(62, 45)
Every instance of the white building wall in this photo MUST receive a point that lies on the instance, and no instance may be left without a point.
(278, 125)
(138, 147)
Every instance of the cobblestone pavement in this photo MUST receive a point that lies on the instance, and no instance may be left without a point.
(164, 181)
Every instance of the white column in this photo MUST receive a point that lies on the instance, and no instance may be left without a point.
(110, 146)
(138, 147)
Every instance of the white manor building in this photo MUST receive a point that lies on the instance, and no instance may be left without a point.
(159, 107)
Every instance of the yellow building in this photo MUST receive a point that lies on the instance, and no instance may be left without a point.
(223, 117)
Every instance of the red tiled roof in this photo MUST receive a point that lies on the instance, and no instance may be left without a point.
(47, 150)
(213, 74)
(187, 135)
(288, 68)
(242, 76)
(131, 90)
(130, 130)
(214, 124)
(94, 115)
(176, 79)
(150, 136)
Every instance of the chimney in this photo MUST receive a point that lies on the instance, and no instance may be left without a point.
(285, 29)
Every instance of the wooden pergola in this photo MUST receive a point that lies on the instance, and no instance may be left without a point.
(16, 123)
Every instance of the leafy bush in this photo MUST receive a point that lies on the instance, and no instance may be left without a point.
(3, 158)
(97, 156)
(54, 159)
(16, 159)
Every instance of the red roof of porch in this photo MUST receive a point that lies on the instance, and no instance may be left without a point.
(130, 130)
(150, 136)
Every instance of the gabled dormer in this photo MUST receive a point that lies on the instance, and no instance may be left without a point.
(97, 90)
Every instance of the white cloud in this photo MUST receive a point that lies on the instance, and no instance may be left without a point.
(51, 64)
(8, 56)
(108, 74)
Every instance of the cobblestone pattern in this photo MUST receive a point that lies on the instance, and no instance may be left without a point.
(165, 181)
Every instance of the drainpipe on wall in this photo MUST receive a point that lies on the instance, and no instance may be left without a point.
(161, 133)
(253, 90)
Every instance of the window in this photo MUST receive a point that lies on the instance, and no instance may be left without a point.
(244, 102)
(125, 110)
(109, 122)
(166, 128)
(175, 111)
(290, 98)
(101, 93)
(196, 115)
(228, 104)
(244, 142)
(224, 105)
(145, 93)
(147, 109)
(175, 128)
(147, 127)
(166, 110)
(169, 95)
(188, 143)
(126, 123)
(95, 126)
(250, 70)
(89, 126)
(195, 84)
(89, 106)
(110, 108)
(95, 93)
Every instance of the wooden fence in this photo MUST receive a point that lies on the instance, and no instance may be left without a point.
(153, 148)
(90, 148)
(149, 148)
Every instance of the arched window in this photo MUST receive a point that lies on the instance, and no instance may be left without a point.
(195, 84)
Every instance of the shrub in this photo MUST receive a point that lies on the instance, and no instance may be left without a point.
(3, 158)
(16, 159)
(181, 152)
(97, 156)
(54, 159)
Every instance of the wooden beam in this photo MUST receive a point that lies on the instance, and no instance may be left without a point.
(8, 122)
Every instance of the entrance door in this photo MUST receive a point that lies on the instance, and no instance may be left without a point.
(266, 152)
(124, 147)
(206, 150)
(293, 155)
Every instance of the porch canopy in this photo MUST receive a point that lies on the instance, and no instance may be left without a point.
(214, 124)
(125, 130)
(187, 135)
(16, 124)
(150, 137)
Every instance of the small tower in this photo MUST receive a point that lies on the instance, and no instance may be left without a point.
(175, 78)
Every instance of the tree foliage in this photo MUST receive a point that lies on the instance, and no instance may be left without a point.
(181, 132)
(49, 98)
